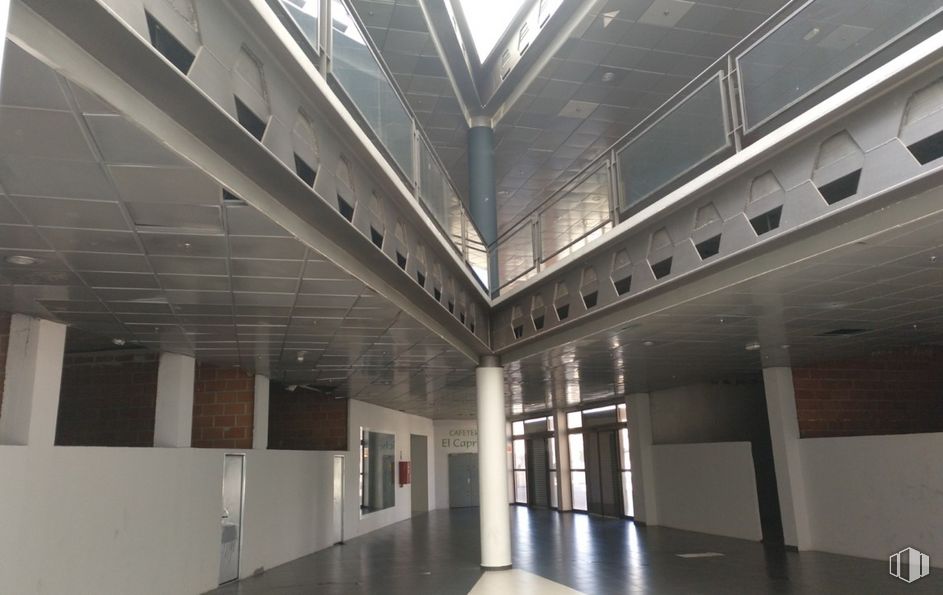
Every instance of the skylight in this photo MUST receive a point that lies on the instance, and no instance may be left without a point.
(487, 21)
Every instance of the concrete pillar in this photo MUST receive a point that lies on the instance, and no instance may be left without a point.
(260, 414)
(639, 412)
(173, 416)
(492, 467)
(482, 189)
(565, 494)
(784, 433)
(33, 380)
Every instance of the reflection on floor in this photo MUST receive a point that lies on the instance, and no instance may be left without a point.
(437, 554)
(518, 581)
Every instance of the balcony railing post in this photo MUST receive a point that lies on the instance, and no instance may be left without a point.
(613, 171)
(326, 38)
(535, 242)
(733, 104)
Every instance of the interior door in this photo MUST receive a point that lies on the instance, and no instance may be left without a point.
(537, 489)
(610, 486)
(338, 515)
(463, 480)
(418, 450)
(603, 476)
(231, 522)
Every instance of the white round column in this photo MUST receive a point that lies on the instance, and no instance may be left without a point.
(492, 467)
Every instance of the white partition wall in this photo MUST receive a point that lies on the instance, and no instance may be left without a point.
(708, 488)
(871, 496)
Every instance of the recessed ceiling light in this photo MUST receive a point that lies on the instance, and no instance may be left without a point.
(118, 341)
(21, 260)
(608, 76)
(754, 346)
(648, 343)
(811, 34)
(301, 356)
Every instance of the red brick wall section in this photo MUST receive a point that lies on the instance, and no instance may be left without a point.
(899, 392)
(4, 345)
(107, 400)
(306, 420)
(223, 407)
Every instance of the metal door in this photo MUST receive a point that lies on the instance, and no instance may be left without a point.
(610, 485)
(231, 542)
(463, 480)
(338, 521)
(419, 490)
(603, 476)
(537, 480)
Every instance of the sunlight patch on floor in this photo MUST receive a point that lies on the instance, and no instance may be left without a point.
(518, 582)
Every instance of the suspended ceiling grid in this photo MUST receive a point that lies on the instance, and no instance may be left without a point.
(132, 243)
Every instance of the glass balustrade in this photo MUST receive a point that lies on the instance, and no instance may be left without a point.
(804, 54)
(372, 92)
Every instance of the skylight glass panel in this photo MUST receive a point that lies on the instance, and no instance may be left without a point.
(487, 21)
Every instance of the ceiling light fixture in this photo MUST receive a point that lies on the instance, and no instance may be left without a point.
(301, 356)
(608, 76)
(754, 346)
(21, 260)
(118, 341)
(648, 343)
(811, 34)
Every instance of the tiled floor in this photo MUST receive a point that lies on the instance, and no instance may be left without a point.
(437, 554)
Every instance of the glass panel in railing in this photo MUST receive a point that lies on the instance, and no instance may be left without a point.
(455, 213)
(817, 44)
(306, 14)
(358, 72)
(477, 252)
(579, 212)
(690, 134)
(516, 255)
(432, 186)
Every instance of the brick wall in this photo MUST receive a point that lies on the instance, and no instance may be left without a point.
(223, 406)
(4, 345)
(107, 400)
(306, 420)
(899, 392)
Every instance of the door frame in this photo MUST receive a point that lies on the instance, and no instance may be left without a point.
(242, 509)
(343, 461)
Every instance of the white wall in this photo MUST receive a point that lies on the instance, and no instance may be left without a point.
(388, 421)
(451, 436)
(709, 488)
(871, 496)
(109, 520)
(288, 507)
(147, 520)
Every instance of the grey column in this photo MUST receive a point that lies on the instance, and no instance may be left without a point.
(640, 453)
(173, 411)
(260, 413)
(482, 192)
(33, 380)
(787, 456)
